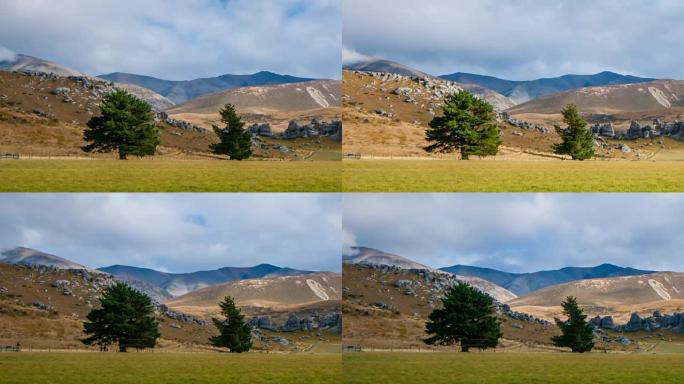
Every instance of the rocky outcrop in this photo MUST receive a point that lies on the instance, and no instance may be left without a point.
(522, 124)
(301, 322)
(603, 130)
(658, 128)
(505, 309)
(260, 130)
(178, 316)
(163, 116)
(332, 130)
(673, 322)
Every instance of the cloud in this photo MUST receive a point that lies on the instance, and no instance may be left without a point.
(521, 232)
(350, 56)
(7, 54)
(178, 39)
(521, 39)
(178, 232)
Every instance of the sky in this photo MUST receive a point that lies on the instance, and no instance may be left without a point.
(520, 232)
(178, 39)
(519, 39)
(178, 232)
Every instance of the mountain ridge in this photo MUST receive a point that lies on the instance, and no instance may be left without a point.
(525, 283)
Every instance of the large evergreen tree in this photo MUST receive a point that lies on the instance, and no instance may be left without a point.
(578, 141)
(235, 141)
(126, 317)
(577, 332)
(126, 125)
(467, 316)
(467, 124)
(234, 333)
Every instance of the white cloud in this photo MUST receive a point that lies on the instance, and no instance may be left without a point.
(178, 39)
(521, 39)
(350, 56)
(7, 54)
(521, 232)
(153, 230)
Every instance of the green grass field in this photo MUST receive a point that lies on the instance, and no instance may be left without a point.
(165, 175)
(511, 176)
(482, 368)
(168, 368)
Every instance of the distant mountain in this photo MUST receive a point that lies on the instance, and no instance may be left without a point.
(370, 256)
(33, 64)
(270, 292)
(176, 284)
(522, 91)
(182, 91)
(524, 283)
(615, 296)
(28, 256)
(611, 99)
(373, 257)
(387, 66)
(269, 99)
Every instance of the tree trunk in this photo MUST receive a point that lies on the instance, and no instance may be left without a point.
(464, 348)
(122, 154)
(464, 156)
(122, 347)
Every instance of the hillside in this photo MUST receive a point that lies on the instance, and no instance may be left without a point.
(615, 296)
(522, 91)
(182, 91)
(375, 258)
(273, 293)
(613, 99)
(28, 256)
(177, 284)
(25, 63)
(386, 66)
(266, 100)
(524, 283)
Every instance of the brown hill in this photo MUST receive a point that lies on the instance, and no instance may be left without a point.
(614, 99)
(275, 294)
(374, 257)
(617, 296)
(294, 97)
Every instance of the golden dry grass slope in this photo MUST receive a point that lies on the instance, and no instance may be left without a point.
(275, 293)
(615, 296)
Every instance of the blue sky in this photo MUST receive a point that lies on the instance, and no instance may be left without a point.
(521, 232)
(520, 39)
(178, 232)
(178, 39)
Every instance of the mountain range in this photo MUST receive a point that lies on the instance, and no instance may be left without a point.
(28, 256)
(523, 283)
(177, 284)
(522, 91)
(182, 91)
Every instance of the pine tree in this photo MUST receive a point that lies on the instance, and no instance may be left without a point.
(578, 141)
(235, 141)
(577, 332)
(126, 125)
(234, 333)
(126, 317)
(467, 316)
(467, 124)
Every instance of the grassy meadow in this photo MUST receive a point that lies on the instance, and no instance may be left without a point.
(511, 176)
(483, 368)
(168, 368)
(167, 175)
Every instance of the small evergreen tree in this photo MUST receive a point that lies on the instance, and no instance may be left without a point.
(577, 332)
(126, 125)
(467, 124)
(234, 333)
(578, 141)
(467, 316)
(235, 141)
(126, 317)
